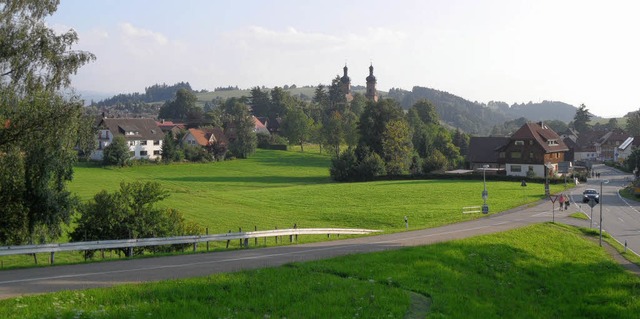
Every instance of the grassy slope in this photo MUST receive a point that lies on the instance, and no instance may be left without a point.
(540, 271)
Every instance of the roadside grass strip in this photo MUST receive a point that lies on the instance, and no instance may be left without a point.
(540, 271)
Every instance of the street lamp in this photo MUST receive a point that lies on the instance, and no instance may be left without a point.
(485, 194)
(604, 181)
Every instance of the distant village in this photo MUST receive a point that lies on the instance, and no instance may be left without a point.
(534, 150)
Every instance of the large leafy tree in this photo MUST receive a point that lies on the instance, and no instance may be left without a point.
(581, 119)
(260, 102)
(184, 107)
(396, 147)
(373, 123)
(297, 127)
(633, 123)
(38, 127)
(240, 126)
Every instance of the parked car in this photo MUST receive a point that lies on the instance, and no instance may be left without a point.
(589, 194)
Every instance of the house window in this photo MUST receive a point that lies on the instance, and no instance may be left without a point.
(156, 152)
(531, 155)
(516, 168)
(143, 142)
(143, 153)
(502, 155)
(552, 142)
(530, 142)
(530, 168)
(516, 155)
(132, 143)
(519, 142)
(156, 142)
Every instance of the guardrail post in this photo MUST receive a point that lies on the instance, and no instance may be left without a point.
(295, 226)
(255, 228)
(240, 230)
(228, 239)
(52, 257)
(207, 232)
(195, 246)
(130, 251)
(276, 236)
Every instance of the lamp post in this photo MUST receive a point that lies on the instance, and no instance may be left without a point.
(485, 194)
(604, 181)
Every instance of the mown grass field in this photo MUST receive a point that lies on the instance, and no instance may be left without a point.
(540, 271)
(277, 188)
(282, 188)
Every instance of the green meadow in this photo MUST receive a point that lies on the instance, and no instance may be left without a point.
(282, 188)
(540, 271)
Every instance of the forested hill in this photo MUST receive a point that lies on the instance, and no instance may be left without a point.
(546, 110)
(154, 93)
(477, 118)
(471, 117)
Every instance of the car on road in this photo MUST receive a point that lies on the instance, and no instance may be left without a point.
(590, 193)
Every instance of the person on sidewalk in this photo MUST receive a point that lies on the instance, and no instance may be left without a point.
(561, 200)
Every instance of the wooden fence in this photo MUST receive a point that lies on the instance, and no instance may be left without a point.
(243, 237)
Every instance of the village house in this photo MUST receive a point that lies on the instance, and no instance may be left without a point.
(534, 149)
(205, 137)
(143, 136)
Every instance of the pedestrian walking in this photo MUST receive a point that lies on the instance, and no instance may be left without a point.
(561, 200)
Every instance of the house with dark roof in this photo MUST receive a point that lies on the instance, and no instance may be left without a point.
(534, 148)
(483, 150)
(143, 136)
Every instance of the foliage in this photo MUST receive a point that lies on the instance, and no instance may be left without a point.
(633, 123)
(196, 153)
(169, 148)
(38, 128)
(117, 152)
(396, 147)
(182, 108)
(129, 212)
(154, 93)
(435, 161)
(239, 125)
(13, 211)
(373, 123)
(581, 119)
(87, 133)
(297, 127)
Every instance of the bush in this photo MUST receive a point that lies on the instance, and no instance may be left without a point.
(129, 213)
(194, 153)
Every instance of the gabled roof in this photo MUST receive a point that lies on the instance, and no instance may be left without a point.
(259, 126)
(208, 136)
(543, 135)
(143, 129)
(484, 149)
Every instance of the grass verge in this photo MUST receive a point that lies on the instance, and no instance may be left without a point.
(539, 271)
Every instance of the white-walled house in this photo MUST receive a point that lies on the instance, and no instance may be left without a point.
(143, 136)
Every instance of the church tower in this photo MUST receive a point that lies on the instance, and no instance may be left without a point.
(345, 84)
(372, 92)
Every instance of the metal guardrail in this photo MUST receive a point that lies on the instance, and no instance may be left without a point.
(144, 242)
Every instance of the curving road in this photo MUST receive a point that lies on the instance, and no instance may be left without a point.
(623, 223)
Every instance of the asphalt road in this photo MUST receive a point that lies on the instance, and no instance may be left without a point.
(620, 217)
(49, 279)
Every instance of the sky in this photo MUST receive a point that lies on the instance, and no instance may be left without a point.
(578, 52)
